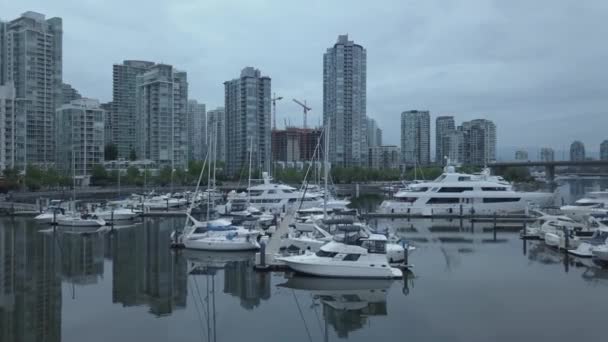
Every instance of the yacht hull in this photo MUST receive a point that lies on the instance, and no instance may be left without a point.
(309, 264)
(210, 244)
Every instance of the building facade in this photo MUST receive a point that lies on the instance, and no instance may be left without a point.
(68, 94)
(384, 157)
(480, 141)
(162, 118)
(521, 155)
(374, 133)
(197, 130)
(248, 121)
(604, 150)
(415, 138)
(577, 151)
(454, 147)
(123, 117)
(296, 144)
(547, 154)
(345, 102)
(216, 128)
(31, 59)
(12, 129)
(80, 136)
(444, 125)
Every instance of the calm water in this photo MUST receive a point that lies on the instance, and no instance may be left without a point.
(127, 285)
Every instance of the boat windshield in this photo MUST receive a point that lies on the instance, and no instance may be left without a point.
(375, 246)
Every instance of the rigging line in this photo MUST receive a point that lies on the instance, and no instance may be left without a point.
(301, 315)
(200, 318)
(314, 307)
(199, 296)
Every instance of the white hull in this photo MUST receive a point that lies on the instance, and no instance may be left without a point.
(47, 218)
(222, 244)
(310, 264)
(78, 222)
(393, 207)
(119, 215)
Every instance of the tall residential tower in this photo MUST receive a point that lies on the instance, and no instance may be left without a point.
(444, 126)
(415, 138)
(31, 61)
(345, 102)
(247, 103)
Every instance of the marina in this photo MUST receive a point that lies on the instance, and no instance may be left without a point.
(127, 283)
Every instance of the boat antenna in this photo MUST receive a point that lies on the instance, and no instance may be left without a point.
(325, 194)
(249, 186)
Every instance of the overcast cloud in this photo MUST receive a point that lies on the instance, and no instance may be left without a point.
(537, 68)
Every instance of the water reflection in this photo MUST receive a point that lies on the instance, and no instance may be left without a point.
(30, 284)
(347, 304)
(145, 270)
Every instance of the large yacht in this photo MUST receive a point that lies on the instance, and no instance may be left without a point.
(455, 193)
(594, 203)
(274, 196)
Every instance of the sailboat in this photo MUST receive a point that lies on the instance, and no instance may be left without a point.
(78, 219)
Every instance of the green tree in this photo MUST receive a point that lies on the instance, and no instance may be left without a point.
(133, 176)
(33, 177)
(99, 175)
(51, 178)
(164, 176)
(517, 174)
(110, 152)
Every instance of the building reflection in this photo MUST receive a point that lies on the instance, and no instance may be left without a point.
(30, 284)
(347, 304)
(242, 281)
(82, 256)
(145, 270)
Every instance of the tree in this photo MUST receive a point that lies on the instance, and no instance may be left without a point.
(33, 177)
(132, 155)
(133, 177)
(164, 176)
(110, 152)
(99, 175)
(517, 174)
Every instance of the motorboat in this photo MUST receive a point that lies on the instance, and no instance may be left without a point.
(458, 194)
(598, 241)
(559, 224)
(52, 212)
(81, 220)
(592, 204)
(321, 232)
(351, 254)
(536, 229)
(116, 214)
(218, 236)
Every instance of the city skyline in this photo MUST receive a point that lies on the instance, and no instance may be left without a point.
(534, 80)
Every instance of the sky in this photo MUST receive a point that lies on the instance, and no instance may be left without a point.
(538, 69)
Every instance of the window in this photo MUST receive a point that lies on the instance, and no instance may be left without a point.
(420, 189)
(351, 257)
(406, 199)
(287, 191)
(464, 178)
(443, 200)
(323, 254)
(255, 193)
(455, 189)
(272, 191)
(498, 188)
(500, 200)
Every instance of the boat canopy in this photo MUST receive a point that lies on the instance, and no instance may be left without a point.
(339, 221)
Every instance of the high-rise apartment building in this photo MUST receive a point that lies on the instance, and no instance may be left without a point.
(604, 150)
(161, 102)
(12, 128)
(444, 125)
(521, 155)
(454, 147)
(80, 136)
(374, 133)
(384, 157)
(345, 102)
(216, 133)
(197, 130)
(415, 138)
(577, 151)
(247, 103)
(480, 141)
(31, 59)
(296, 144)
(547, 154)
(123, 116)
(68, 94)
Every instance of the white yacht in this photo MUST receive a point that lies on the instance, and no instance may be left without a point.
(457, 194)
(218, 235)
(52, 212)
(594, 203)
(597, 244)
(80, 220)
(116, 214)
(273, 196)
(351, 254)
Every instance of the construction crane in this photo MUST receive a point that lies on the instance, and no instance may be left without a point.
(274, 100)
(305, 107)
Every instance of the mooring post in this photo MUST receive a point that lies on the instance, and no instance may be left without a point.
(263, 254)
(566, 238)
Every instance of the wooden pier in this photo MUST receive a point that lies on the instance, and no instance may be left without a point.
(272, 247)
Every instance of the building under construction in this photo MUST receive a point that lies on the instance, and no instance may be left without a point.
(296, 144)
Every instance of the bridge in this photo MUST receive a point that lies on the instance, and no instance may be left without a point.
(548, 165)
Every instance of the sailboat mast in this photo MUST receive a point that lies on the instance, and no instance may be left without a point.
(249, 185)
(214, 143)
(326, 157)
